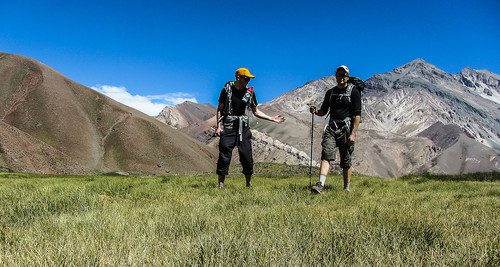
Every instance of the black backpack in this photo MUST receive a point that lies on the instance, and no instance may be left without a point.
(353, 82)
(360, 85)
(228, 108)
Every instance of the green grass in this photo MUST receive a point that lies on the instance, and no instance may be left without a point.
(178, 220)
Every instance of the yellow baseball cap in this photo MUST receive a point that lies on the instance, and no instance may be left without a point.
(243, 72)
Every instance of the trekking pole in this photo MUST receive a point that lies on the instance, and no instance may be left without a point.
(311, 159)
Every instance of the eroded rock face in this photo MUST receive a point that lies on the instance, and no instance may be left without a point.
(411, 98)
(482, 82)
(267, 149)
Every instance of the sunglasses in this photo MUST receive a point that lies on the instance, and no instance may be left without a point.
(245, 78)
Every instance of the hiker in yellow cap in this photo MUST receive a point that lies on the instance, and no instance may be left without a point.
(236, 100)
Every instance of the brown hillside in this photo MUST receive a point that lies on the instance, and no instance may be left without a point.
(23, 153)
(85, 127)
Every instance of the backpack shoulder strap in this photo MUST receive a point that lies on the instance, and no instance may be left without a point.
(248, 110)
(228, 107)
(348, 92)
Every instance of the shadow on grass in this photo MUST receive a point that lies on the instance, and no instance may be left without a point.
(480, 176)
(275, 170)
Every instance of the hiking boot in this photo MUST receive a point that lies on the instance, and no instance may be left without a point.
(318, 188)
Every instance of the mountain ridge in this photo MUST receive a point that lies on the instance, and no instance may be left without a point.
(416, 118)
(442, 95)
(404, 109)
(51, 124)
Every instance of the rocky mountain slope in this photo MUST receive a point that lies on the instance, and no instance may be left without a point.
(401, 104)
(416, 118)
(198, 121)
(50, 124)
(413, 97)
(186, 114)
(486, 84)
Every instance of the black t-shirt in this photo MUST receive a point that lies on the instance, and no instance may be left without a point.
(340, 107)
(237, 95)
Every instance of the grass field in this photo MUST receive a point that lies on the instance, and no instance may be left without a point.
(178, 220)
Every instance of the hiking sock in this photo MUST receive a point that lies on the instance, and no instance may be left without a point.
(346, 186)
(322, 179)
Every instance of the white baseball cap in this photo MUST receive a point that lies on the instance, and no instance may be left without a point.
(343, 67)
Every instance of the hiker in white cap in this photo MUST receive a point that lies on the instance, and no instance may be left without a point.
(343, 103)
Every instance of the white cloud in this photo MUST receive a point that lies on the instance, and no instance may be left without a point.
(151, 105)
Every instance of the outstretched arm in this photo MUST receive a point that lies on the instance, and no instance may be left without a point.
(264, 116)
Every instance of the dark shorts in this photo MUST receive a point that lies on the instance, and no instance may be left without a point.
(333, 139)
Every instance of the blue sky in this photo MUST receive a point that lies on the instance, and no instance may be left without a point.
(148, 54)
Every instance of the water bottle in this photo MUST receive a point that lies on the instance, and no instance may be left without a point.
(247, 95)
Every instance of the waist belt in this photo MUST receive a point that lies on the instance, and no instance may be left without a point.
(241, 120)
(340, 123)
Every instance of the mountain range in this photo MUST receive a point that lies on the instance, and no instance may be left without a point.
(416, 118)
(50, 124)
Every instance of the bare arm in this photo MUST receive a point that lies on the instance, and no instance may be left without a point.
(220, 108)
(262, 115)
(352, 137)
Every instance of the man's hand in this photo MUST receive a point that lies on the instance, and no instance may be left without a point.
(312, 109)
(218, 131)
(352, 139)
(279, 119)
